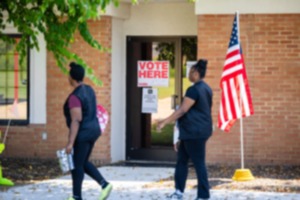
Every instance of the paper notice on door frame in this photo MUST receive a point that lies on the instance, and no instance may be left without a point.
(189, 65)
(149, 100)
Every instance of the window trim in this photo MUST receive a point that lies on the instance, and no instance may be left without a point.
(21, 122)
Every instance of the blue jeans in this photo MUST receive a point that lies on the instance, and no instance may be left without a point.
(82, 152)
(194, 150)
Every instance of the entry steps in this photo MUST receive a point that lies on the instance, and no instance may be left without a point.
(148, 163)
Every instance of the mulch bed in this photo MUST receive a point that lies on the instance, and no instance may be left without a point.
(267, 178)
(24, 171)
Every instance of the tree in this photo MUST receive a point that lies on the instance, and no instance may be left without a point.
(188, 51)
(57, 20)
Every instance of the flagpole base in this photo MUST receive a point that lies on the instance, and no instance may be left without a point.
(242, 175)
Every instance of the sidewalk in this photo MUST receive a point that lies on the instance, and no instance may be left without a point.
(128, 184)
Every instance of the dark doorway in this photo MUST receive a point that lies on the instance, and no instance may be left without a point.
(143, 141)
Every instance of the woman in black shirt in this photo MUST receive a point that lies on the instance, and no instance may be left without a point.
(195, 127)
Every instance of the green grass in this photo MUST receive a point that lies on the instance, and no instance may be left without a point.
(185, 84)
(164, 138)
(164, 92)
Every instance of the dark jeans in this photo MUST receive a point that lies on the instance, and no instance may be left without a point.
(195, 150)
(82, 151)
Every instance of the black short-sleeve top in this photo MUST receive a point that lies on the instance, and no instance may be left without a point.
(197, 122)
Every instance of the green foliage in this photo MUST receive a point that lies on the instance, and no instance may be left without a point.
(57, 20)
(167, 51)
(189, 48)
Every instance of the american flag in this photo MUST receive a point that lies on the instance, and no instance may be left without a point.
(236, 98)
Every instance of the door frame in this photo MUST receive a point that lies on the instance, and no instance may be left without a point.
(154, 154)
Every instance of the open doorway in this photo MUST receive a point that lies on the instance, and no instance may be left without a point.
(143, 141)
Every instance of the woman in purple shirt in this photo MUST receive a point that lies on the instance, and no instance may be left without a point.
(80, 112)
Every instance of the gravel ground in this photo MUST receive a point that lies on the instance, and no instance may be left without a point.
(267, 178)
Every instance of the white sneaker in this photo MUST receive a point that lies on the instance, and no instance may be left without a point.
(175, 196)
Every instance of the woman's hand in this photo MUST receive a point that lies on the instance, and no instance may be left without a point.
(161, 124)
(69, 148)
(176, 146)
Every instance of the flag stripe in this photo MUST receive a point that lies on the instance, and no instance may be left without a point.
(232, 70)
(233, 48)
(231, 98)
(232, 59)
(228, 108)
(230, 65)
(235, 98)
(244, 96)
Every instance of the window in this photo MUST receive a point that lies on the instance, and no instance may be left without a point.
(14, 86)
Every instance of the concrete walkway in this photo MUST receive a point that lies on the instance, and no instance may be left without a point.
(128, 184)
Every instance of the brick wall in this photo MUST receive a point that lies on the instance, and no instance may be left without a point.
(27, 141)
(271, 47)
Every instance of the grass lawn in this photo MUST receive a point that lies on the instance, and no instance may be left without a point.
(165, 137)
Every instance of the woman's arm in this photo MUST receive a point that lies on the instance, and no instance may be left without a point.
(76, 116)
(184, 107)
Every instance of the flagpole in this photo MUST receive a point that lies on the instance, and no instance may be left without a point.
(242, 132)
(241, 174)
(241, 106)
(6, 131)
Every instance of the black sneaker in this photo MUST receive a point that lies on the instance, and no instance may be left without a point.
(175, 196)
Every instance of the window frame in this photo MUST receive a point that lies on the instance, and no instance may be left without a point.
(21, 122)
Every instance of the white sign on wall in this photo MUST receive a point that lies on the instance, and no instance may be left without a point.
(149, 101)
(153, 73)
(189, 65)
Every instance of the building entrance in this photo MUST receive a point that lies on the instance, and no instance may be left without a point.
(143, 141)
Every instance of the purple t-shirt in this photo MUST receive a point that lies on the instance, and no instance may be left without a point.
(74, 102)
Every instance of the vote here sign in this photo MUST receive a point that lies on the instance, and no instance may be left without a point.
(153, 73)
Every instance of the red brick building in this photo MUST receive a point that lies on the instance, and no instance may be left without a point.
(270, 35)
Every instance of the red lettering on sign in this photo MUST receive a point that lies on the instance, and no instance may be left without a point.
(142, 65)
(157, 74)
(142, 74)
(150, 65)
(164, 74)
(165, 65)
(148, 71)
(150, 74)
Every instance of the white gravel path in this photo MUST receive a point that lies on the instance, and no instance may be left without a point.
(128, 184)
